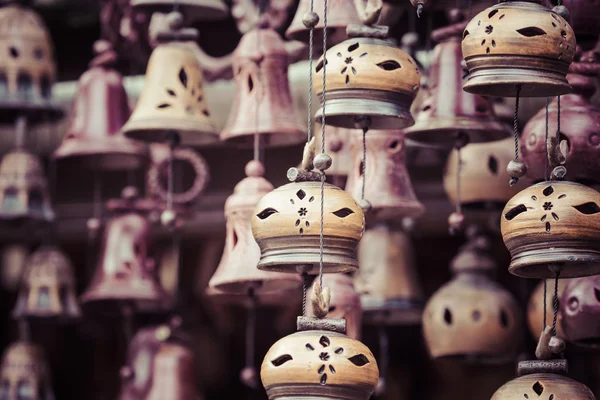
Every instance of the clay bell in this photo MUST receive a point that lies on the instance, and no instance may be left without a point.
(193, 10)
(447, 110)
(48, 288)
(518, 44)
(387, 187)
(368, 79)
(580, 308)
(387, 280)
(100, 109)
(263, 102)
(173, 101)
(237, 272)
(535, 308)
(24, 373)
(27, 67)
(173, 374)
(553, 224)
(23, 188)
(286, 225)
(337, 146)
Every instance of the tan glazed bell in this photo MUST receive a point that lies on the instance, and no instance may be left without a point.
(24, 373)
(173, 374)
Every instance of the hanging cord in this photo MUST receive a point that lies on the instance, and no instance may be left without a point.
(458, 178)
(470, 10)
(555, 304)
(249, 375)
(545, 304)
(516, 169)
(558, 122)
(323, 99)
(384, 359)
(547, 161)
(304, 289)
(364, 163)
(516, 124)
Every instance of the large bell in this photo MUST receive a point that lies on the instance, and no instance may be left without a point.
(263, 102)
(193, 10)
(580, 309)
(237, 272)
(387, 187)
(387, 281)
(48, 287)
(448, 110)
(100, 109)
(24, 373)
(535, 308)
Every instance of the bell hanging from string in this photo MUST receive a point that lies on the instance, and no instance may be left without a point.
(48, 288)
(447, 111)
(24, 371)
(535, 308)
(387, 185)
(263, 103)
(387, 280)
(579, 310)
(192, 10)
(100, 110)
(172, 104)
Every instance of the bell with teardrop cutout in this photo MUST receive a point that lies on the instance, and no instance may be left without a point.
(24, 370)
(535, 308)
(100, 109)
(263, 103)
(48, 287)
(387, 281)
(387, 187)
(580, 308)
(193, 10)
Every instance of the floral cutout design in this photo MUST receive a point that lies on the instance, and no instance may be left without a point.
(551, 197)
(188, 96)
(538, 389)
(301, 222)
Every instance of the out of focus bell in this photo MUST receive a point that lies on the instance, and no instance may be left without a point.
(48, 286)
(580, 308)
(100, 109)
(448, 110)
(193, 10)
(535, 308)
(337, 146)
(237, 272)
(263, 102)
(387, 187)
(173, 374)
(24, 373)
(12, 265)
(518, 45)
(387, 280)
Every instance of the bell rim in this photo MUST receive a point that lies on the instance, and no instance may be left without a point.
(245, 140)
(102, 155)
(534, 263)
(191, 134)
(429, 132)
(209, 10)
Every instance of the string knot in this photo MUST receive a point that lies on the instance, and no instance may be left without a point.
(320, 299)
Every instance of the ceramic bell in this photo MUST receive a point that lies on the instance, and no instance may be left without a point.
(172, 100)
(387, 280)
(579, 308)
(13, 259)
(447, 110)
(337, 146)
(48, 288)
(472, 318)
(24, 373)
(518, 44)
(27, 67)
(193, 10)
(173, 374)
(483, 176)
(579, 125)
(368, 78)
(237, 272)
(100, 109)
(582, 17)
(535, 308)
(387, 187)
(553, 223)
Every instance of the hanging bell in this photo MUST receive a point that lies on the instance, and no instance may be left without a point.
(535, 308)
(448, 111)
(553, 227)
(193, 10)
(24, 373)
(518, 46)
(387, 280)
(100, 109)
(387, 184)
(173, 374)
(237, 272)
(172, 102)
(472, 318)
(13, 258)
(48, 287)
(369, 81)
(263, 103)
(579, 309)
(27, 67)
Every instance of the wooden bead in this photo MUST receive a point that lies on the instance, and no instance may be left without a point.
(93, 224)
(365, 205)
(310, 19)
(557, 345)
(456, 222)
(322, 161)
(168, 219)
(254, 169)
(249, 377)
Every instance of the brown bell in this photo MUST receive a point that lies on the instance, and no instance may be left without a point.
(173, 374)
(580, 308)
(553, 224)
(48, 286)
(237, 272)
(344, 303)
(27, 67)
(518, 44)
(448, 111)
(582, 17)
(387, 187)
(263, 102)
(387, 280)
(24, 373)
(193, 10)
(535, 308)
(23, 188)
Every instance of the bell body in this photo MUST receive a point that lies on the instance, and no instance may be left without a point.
(387, 280)
(172, 99)
(25, 371)
(535, 308)
(100, 110)
(553, 222)
(173, 374)
(580, 308)
(518, 44)
(538, 385)
(263, 102)
(193, 10)
(48, 288)
(387, 187)
(286, 225)
(367, 78)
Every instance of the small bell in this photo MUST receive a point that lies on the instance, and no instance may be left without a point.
(580, 308)
(387, 280)
(173, 374)
(193, 10)
(263, 103)
(13, 259)
(518, 46)
(48, 287)
(24, 373)
(556, 224)
(535, 308)
(387, 186)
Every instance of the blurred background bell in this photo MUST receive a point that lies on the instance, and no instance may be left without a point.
(13, 258)
(192, 10)
(24, 373)
(173, 374)
(580, 309)
(535, 308)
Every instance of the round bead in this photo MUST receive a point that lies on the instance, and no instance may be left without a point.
(322, 161)
(249, 377)
(168, 218)
(175, 20)
(562, 11)
(93, 224)
(310, 19)
(455, 15)
(559, 172)
(365, 205)
(556, 345)
(101, 46)
(408, 224)
(410, 39)
(516, 169)
(456, 221)
(255, 168)
(130, 193)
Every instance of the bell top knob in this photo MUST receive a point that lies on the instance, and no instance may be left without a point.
(255, 169)
(130, 193)
(105, 55)
(456, 15)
